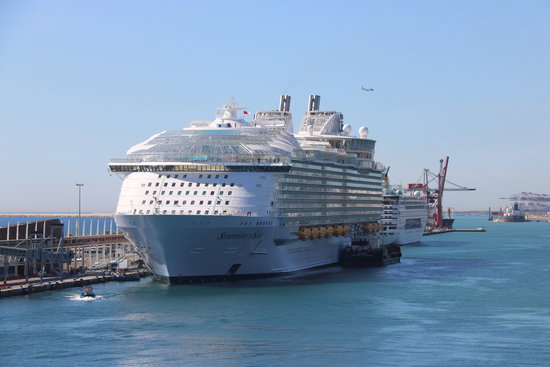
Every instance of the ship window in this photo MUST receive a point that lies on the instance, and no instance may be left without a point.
(189, 211)
(173, 184)
(224, 212)
(189, 184)
(201, 202)
(206, 212)
(214, 184)
(209, 176)
(195, 192)
(165, 184)
(209, 202)
(171, 192)
(148, 211)
(204, 192)
(154, 192)
(164, 211)
(160, 176)
(151, 202)
(184, 176)
(218, 202)
(149, 184)
(181, 211)
(217, 176)
(168, 176)
(211, 192)
(229, 192)
(231, 184)
(198, 211)
(192, 202)
(156, 184)
(205, 185)
(200, 176)
(226, 176)
(143, 202)
(184, 202)
(162, 192)
(181, 184)
(223, 184)
(221, 192)
(146, 192)
(198, 184)
(215, 212)
(176, 202)
(227, 203)
(179, 192)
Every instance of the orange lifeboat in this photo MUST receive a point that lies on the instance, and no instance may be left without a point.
(323, 231)
(346, 229)
(304, 234)
(315, 232)
(339, 230)
(330, 230)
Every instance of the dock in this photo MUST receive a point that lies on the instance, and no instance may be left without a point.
(19, 287)
(447, 230)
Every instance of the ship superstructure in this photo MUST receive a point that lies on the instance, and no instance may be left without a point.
(230, 197)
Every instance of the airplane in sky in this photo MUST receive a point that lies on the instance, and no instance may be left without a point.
(367, 89)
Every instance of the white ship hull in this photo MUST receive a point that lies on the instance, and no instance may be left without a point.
(184, 249)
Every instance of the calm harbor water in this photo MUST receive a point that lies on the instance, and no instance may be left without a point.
(459, 299)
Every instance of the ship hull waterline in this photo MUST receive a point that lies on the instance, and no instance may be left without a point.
(190, 249)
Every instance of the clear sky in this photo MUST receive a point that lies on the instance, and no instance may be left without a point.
(81, 82)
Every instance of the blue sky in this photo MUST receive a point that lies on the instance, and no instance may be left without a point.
(81, 82)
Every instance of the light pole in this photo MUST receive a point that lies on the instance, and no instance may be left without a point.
(78, 222)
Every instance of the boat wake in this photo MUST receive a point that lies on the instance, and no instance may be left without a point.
(86, 299)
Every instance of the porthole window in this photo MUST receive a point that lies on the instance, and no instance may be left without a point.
(167, 202)
(221, 192)
(173, 184)
(218, 202)
(201, 202)
(204, 192)
(165, 184)
(227, 203)
(146, 192)
(181, 184)
(209, 202)
(198, 184)
(229, 192)
(154, 192)
(184, 202)
(189, 184)
(156, 184)
(162, 192)
(192, 202)
(171, 192)
(211, 192)
(179, 192)
(195, 192)
(176, 202)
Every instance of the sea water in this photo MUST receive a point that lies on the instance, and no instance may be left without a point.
(457, 299)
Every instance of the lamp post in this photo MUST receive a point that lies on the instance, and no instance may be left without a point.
(79, 185)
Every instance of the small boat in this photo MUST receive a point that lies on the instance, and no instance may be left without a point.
(88, 292)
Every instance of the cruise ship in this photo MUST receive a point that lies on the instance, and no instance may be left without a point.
(404, 217)
(233, 198)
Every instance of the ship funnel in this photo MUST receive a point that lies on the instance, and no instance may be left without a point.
(284, 103)
(314, 102)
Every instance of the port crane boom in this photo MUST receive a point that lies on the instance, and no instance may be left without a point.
(435, 196)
